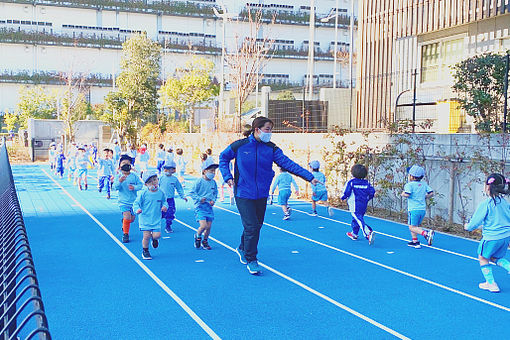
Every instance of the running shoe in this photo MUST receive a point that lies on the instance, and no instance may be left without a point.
(198, 241)
(430, 237)
(286, 216)
(416, 244)
(205, 244)
(146, 255)
(493, 288)
(125, 238)
(313, 213)
(242, 259)
(168, 229)
(371, 238)
(352, 236)
(253, 267)
(289, 210)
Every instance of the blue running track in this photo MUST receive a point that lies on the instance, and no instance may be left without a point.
(316, 282)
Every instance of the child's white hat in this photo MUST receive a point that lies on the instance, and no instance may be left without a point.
(147, 175)
(315, 164)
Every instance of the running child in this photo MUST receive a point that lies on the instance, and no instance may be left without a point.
(319, 191)
(416, 193)
(149, 205)
(143, 159)
(71, 162)
(493, 216)
(82, 164)
(358, 192)
(116, 151)
(204, 194)
(105, 171)
(59, 163)
(127, 183)
(160, 157)
(181, 163)
(52, 154)
(169, 184)
(284, 182)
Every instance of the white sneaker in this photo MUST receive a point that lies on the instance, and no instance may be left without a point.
(371, 238)
(493, 288)
(286, 216)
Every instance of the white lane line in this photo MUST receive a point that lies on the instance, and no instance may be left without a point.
(153, 276)
(311, 290)
(395, 237)
(439, 285)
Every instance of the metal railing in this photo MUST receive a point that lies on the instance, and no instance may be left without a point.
(22, 313)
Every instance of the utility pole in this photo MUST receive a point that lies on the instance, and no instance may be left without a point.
(415, 74)
(311, 49)
(351, 48)
(505, 91)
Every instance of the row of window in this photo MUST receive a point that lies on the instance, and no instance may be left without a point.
(26, 22)
(97, 28)
(287, 7)
(182, 34)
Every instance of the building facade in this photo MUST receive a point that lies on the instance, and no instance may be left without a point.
(41, 39)
(403, 42)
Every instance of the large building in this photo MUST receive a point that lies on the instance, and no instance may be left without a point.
(401, 42)
(42, 39)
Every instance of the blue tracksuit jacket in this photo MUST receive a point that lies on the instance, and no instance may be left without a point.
(358, 192)
(253, 167)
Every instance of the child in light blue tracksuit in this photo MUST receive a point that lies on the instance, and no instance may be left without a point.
(105, 171)
(204, 194)
(127, 183)
(169, 184)
(493, 216)
(82, 164)
(149, 205)
(284, 181)
(319, 191)
(160, 157)
(358, 192)
(416, 193)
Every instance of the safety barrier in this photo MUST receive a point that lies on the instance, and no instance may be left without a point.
(22, 313)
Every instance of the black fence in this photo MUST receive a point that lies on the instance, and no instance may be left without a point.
(21, 307)
(299, 116)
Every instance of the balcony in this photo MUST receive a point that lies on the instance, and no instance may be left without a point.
(52, 78)
(176, 8)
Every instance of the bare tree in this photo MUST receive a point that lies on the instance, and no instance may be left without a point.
(72, 105)
(251, 54)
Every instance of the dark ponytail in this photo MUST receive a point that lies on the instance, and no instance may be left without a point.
(498, 186)
(256, 124)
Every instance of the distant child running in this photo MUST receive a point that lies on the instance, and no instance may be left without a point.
(149, 205)
(127, 183)
(181, 163)
(358, 192)
(169, 184)
(82, 164)
(417, 192)
(143, 159)
(60, 163)
(105, 171)
(52, 154)
(319, 191)
(204, 194)
(71, 163)
(284, 182)
(493, 216)
(160, 157)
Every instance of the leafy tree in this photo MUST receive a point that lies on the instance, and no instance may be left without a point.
(34, 102)
(479, 81)
(286, 95)
(190, 87)
(135, 101)
(11, 121)
(73, 105)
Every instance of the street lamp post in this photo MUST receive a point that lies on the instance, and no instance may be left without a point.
(335, 56)
(311, 49)
(223, 16)
(351, 47)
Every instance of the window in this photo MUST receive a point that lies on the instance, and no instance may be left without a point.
(438, 58)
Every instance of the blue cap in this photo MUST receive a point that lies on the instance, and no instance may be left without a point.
(169, 164)
(148, 175)
(417, 171)
(315, 164)
(209, 165)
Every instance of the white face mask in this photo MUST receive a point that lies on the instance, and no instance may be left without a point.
(210, 175)
(152, 187)
(265, 136)
(168, 174)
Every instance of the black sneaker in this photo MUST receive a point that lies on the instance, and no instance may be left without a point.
(198, 240)
(205, 244)
(86, 186)
(146, 255)
(108, 196)
(289, 210)
(80, 187)
(155, 243)
(125, 238)
(414, 244)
